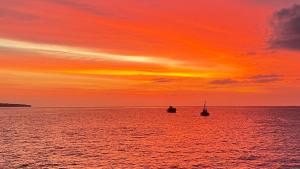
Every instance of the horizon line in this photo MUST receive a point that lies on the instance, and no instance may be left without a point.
(163, 106)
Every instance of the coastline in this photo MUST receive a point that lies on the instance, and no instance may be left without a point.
(13, 105)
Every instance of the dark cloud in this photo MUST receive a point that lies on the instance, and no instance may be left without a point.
(286, 27)
(265, 78)
(223, 81)
(162, 80)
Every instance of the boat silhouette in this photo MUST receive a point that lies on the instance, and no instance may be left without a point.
(204, 111)
(171, 109)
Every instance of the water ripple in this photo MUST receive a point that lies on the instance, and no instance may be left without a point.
(236, 137)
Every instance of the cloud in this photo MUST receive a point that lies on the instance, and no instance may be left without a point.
(265, 78)
(8, 13)
(83, 53)
(124, 72)
(286, 28)
(271, 2)
(223, 81)
(92, 9)
(162, 80)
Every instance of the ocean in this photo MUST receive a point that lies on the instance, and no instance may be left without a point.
(148, 137)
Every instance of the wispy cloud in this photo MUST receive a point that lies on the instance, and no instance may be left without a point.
(81, 6)
(162, 80)
(223, 81)
(83, 54)
(141, 73)
(265, 78)
(14, 14)
(271, 2)
(261, 78)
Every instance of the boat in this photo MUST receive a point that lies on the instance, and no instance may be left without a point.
(204, 111)
(171, 109)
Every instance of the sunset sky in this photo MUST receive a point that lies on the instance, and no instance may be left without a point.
(148, 53)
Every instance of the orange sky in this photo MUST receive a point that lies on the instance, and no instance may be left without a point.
(137, 53)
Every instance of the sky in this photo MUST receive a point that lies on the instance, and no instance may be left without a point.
(150, 53)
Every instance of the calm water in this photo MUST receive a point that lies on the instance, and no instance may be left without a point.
(232, 137)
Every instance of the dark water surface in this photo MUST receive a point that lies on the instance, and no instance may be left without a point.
(232, 137)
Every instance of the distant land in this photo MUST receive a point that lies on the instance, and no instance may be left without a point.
(13, 105)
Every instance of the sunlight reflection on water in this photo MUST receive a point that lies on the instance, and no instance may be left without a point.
(232, 137)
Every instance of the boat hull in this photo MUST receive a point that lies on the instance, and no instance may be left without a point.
(204, 113)
(173, 110)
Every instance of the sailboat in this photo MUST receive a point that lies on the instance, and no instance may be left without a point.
(204, 111)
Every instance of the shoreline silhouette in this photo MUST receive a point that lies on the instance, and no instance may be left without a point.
(13, 105)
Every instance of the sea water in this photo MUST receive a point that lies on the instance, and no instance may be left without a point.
(148, 137)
